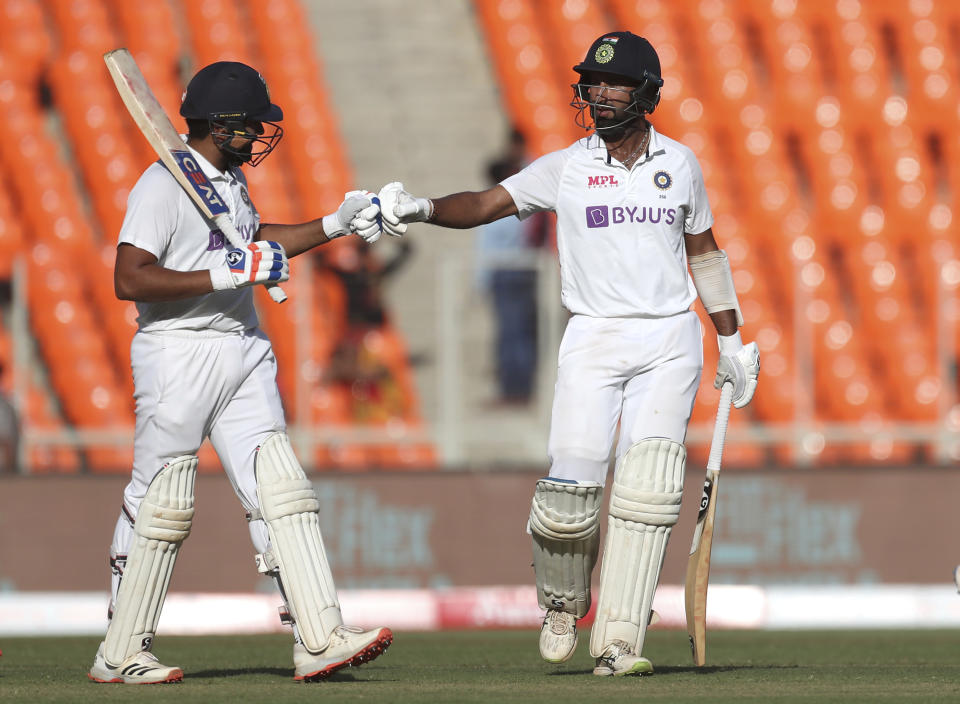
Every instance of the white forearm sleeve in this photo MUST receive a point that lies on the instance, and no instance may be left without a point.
(714, 281)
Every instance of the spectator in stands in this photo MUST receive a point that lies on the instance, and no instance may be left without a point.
(356, 363)
(363, 276)
(202, 368)
(506, 259)
(633, 215)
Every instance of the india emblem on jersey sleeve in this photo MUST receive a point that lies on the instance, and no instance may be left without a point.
(662, 180)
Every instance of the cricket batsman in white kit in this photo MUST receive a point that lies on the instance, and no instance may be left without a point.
(202, 368)
(632, 216)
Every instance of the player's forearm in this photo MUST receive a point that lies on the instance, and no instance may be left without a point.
(153, 283)
(725, 321)
(472, 208)
(295, 239)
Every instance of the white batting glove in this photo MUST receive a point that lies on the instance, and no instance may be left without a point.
(262, 262)
(739, 364)
(368, 224)
(399, 208)
(358, 213)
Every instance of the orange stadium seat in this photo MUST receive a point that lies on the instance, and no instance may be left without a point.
(860, 71)
(82, 24)
(923, 45)
(572, 28)
(730, 81)
(681, 105)
(24, 38)
(217, 32)
(520, 54)
(47, 459)
(149, 29)
(11, 233)
(312, 146)
(118, 319)
(792, 64)
(97, 125)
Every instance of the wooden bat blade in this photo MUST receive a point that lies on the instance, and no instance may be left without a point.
(155, 125)
(698, 570)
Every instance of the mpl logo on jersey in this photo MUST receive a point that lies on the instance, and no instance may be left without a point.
(201, 184)
(604, 215)
(607, 181)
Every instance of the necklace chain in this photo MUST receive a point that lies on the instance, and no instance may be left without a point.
(643, 145)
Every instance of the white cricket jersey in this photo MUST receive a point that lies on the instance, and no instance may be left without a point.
(162, 220)
(619, 231)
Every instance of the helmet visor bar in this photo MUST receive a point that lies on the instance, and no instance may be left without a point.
(643, 101)
(257, 144)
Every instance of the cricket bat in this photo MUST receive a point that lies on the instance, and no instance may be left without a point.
(698, 565)
(153, 122)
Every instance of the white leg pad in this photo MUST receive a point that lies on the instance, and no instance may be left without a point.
(163, 523)
(289, 507)
(565, 525)
(644, 506)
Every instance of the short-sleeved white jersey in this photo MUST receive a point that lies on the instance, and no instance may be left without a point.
(619, 231)
(162, 220)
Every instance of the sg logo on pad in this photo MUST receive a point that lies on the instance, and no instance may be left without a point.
(598, 215)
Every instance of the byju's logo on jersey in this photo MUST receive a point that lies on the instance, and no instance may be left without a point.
(598, 216)
(602, 181)
(604, 216)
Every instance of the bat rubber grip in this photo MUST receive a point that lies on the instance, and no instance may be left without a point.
(276, 293)
(720, 427)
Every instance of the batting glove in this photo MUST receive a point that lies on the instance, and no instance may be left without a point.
(740, 365)
(399, 208)
(258, 263)
(358, 213)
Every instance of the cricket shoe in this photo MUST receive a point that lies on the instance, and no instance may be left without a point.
(140, 668)
(558, 636)
(348, 646)
(618, 659)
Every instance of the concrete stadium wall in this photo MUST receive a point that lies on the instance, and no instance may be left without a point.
(430, 530)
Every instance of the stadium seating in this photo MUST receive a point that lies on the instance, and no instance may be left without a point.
(826, 131)
(65, 222)
(827, 137)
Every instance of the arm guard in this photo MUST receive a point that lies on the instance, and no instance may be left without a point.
(714, 282)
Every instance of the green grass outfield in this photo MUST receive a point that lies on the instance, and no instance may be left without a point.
(489, 667)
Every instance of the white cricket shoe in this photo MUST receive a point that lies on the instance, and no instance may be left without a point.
(140, 668)
(348, 646)
(618, 659)
(558, 636)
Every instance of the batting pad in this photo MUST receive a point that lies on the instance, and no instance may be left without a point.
(565, 525)
(289, 507)
(644, 506)
(163, 522)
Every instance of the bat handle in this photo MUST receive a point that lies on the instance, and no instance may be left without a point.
(276, 293)
(720, 427)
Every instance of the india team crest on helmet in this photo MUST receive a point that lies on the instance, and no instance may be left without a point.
(662, 180)
(604, 52)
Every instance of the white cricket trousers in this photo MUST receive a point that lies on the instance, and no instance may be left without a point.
(642, 372)
(188, 386)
